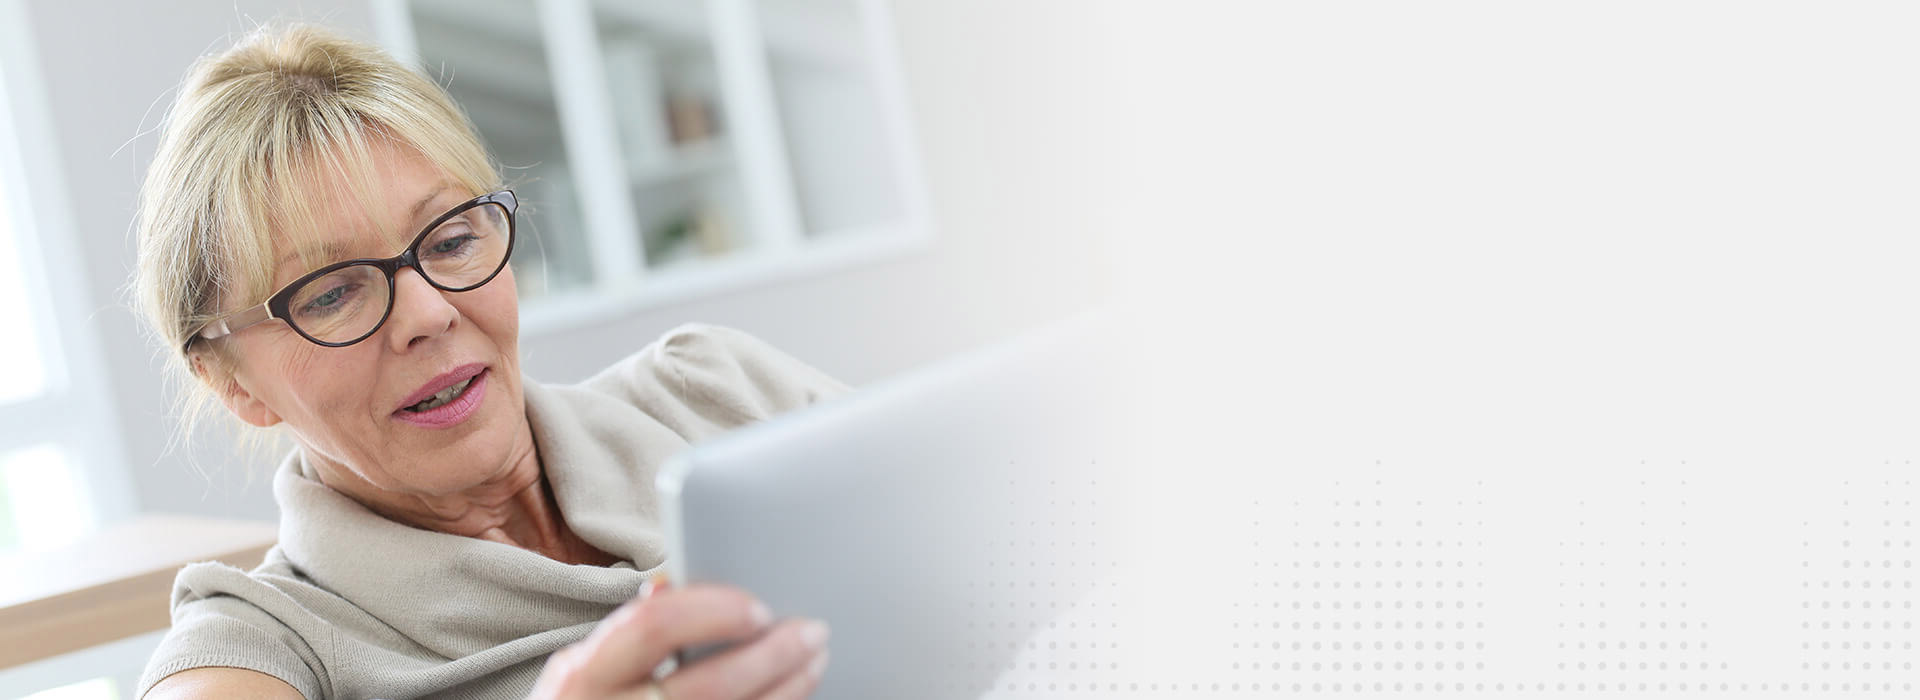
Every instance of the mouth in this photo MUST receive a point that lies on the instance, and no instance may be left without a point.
(444, 397)
(447, 399)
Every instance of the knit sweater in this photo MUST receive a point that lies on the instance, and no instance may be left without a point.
(352, 605)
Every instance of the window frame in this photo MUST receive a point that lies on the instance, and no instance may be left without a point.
(60, 306)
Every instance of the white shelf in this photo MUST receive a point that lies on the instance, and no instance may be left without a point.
(691, 160)
(694, 279)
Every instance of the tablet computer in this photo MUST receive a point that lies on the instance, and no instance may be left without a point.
(935, 521)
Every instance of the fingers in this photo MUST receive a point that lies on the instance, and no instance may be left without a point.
(629, 643)
(770, 663)
(802, 684)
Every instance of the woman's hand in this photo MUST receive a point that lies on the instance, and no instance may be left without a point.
(780, 662)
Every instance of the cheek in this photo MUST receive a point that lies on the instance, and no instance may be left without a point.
(509, 290)
(268, 366)
(496, 308)
(323, 385)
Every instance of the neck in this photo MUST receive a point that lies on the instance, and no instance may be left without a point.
(515, 508)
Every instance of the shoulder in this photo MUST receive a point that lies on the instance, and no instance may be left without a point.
(721, 372)
(265, 586)
(226, 617)
(716, 348)
(695, 338)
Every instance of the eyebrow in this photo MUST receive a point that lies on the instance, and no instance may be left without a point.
(333, 250)
(421, 205)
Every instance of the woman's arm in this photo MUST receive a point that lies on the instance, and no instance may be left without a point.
(212, 682)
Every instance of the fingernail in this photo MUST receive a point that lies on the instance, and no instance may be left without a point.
(814, 633)
(760, 615)
(655, 584)
(818, 665)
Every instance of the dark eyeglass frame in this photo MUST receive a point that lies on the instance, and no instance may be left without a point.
(275, 306)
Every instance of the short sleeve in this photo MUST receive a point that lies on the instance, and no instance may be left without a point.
(225, 631)
(719, 375)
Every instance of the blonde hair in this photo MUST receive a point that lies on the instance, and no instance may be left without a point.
(244, 155)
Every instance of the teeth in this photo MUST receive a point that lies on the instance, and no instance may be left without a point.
(441, 399)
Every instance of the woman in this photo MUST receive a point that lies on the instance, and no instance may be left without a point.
(323, 247)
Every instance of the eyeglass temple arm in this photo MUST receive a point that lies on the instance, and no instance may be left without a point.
(232, 323)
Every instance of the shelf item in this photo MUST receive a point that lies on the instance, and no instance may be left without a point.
(680, 162)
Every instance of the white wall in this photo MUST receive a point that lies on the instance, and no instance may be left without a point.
(988, 85)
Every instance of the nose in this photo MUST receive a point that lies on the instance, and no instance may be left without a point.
(420, 312)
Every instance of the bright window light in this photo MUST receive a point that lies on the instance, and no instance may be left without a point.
(25, 375)
(42, 498)
(96, 689)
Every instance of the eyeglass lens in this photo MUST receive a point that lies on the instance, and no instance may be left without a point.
(459, 254)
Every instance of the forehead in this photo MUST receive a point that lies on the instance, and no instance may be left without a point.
(350, 209)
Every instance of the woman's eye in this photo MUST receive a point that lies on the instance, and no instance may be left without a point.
(329, 301)
(452, 245)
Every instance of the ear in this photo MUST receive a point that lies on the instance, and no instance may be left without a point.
(242, 403)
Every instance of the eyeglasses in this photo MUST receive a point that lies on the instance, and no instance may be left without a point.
(344, 303)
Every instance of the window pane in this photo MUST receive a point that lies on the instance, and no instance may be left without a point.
(831, 114)
(40, 502)
(25, 375)
(9, 535)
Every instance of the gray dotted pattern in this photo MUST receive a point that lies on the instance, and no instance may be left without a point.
(1633, 580)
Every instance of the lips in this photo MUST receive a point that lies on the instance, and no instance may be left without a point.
(441, 383)
(447, 400)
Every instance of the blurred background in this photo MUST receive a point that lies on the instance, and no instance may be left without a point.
(1667, 247)
(867, 185)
